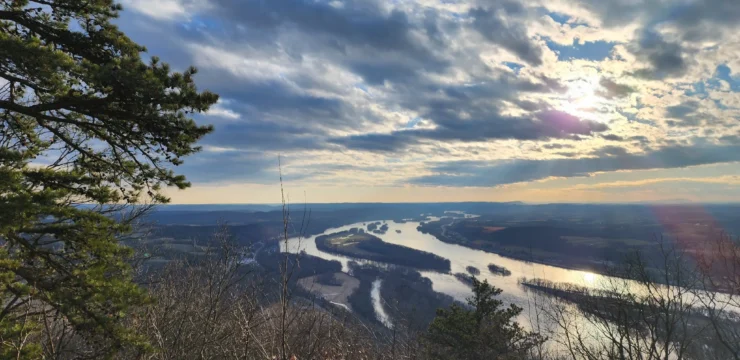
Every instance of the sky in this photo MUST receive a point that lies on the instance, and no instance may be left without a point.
(451, 100)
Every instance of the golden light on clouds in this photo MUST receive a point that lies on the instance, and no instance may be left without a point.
(460, 101)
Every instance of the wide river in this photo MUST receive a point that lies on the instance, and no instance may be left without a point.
(460, 257)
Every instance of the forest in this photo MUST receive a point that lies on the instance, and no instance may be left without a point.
(369, 247)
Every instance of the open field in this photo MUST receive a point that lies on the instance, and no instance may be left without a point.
(335, 294)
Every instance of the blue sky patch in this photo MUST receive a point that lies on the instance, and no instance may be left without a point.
(724, 72)
(630, 116)
(594, 51)
(698, 90)
(413, 122)
(362, 87)
(559, 18)
(513, 66)
(203, 22)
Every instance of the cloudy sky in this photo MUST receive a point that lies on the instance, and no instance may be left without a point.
(457, 100)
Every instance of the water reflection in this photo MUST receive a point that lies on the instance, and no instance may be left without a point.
(589, 278)
(460, 257)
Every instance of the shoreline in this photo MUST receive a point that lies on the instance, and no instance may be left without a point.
(597, 268)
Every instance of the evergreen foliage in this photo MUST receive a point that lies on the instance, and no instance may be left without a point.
(484, 330)
(86, 128)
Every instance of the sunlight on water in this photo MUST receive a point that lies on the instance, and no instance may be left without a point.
(589, 278)
(460, 257)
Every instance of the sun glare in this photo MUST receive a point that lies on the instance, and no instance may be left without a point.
(589, 278)
(581, 99)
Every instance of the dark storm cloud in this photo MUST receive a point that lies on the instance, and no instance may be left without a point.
(503, 30)
(476, 173)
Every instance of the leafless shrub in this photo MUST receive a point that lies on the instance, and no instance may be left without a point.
(653, 308)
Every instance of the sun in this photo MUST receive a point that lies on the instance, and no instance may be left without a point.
(581, 99)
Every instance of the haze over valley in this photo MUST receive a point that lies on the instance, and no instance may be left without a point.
(375, 260)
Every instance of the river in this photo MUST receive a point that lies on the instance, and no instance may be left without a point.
(460, 257)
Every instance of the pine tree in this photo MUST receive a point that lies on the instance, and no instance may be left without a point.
(484, 330)
(86, 128)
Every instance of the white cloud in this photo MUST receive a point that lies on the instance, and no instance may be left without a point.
(224, 113)
(316, 81)
(219, 149)
(165, 9)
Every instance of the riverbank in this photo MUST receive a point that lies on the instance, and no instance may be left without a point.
(366, 246)
(443, 231)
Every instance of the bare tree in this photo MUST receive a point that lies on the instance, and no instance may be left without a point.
(719, 267)
(647, 309)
